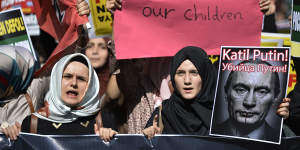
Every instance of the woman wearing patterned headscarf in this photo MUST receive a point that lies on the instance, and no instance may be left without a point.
(20, 94)
(72, 101)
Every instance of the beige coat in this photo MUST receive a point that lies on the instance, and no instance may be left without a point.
(17, 109)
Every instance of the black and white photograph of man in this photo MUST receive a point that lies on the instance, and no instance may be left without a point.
(249, 99)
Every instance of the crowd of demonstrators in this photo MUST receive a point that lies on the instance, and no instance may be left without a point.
(112, 5)
(130, 94)
(22, 94)
(72, 102)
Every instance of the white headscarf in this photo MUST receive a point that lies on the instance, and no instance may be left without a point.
(60, 112)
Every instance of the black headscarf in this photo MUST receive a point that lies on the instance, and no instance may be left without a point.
(182, 116)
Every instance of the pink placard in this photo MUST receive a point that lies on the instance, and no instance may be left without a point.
(155, 28)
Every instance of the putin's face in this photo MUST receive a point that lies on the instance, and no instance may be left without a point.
(250, 96)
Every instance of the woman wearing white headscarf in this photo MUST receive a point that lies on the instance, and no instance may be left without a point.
(72, 101)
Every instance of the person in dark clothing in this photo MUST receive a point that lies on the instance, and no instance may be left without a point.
(294, 117)
(102, 59)
(188, 111)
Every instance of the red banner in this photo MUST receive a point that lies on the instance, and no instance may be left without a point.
(60, 19)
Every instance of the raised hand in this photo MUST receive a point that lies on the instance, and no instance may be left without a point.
(112, 5)
(267, 6)
(82, 7)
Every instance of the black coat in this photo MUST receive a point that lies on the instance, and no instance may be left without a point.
(81, 126)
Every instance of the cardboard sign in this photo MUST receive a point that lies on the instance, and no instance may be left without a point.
(102, 18)
(252, 81)
(13, 30)
(28, 11)
(295, 36)
(158, 28)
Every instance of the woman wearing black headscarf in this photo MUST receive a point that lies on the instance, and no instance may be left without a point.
(188, 111)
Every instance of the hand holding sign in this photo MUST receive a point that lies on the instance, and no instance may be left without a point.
(82, 8)
(283, 108)
(154, 129)
(267, 6)
(105, 134)
(112, 5)
(13, 131)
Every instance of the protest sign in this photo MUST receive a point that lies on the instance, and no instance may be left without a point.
(139, 142)
(28, 11)
(252, 82)
(292, 73)
(101, 18)
(13, 30)
(160, 28)
(295, 30)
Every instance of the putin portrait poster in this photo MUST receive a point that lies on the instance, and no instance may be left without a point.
(252, 82)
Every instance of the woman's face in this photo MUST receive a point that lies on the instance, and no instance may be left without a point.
(187, 80)
(74, 83)
(97, 52)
